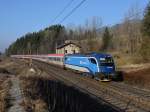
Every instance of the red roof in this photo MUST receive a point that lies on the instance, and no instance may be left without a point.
(65, 44)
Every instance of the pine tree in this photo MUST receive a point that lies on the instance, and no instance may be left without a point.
(146, 22)
(145, 47)
(106, 39)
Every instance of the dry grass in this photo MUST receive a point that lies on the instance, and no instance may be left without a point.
(36, 105)
(6, 62)
(34, 72)
(139, 78)
(4, 88)
(135, 71)
(24, 72)
(40, 106)
(32, 101)
(126, 59)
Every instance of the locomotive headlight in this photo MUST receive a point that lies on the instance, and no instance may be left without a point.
(109, 67)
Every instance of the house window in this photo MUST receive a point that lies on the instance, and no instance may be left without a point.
(65, 51)
(74, 51)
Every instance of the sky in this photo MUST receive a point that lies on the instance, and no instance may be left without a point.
(18, 17)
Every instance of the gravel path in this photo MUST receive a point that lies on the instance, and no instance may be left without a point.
(15, 96)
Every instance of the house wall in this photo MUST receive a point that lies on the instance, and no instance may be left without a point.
(68, 49)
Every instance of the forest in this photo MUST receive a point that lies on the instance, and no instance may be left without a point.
(129, 39)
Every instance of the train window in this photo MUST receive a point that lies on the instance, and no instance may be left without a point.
(106, 60)
(92, 60)
(58, 59)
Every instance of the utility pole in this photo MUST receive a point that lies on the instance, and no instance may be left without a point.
(37, 51)
(30, 53)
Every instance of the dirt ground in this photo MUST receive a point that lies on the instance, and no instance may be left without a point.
(7, 69)
(140, 77)
(136, 74)
(10, 68)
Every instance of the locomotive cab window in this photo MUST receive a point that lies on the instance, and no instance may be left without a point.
(92, 60)
(107, 61)
(65, 58)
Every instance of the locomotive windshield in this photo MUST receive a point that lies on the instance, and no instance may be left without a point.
(107, 61)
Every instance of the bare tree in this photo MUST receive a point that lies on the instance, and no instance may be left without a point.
(127, 35)
(133, 28)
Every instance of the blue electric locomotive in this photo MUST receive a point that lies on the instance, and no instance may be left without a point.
(95, 64)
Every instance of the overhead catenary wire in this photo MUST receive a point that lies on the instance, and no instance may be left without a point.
(72, 11)
(62, 11)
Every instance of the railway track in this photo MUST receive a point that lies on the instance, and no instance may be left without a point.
(76, 83)
(133, 90)
(120, 96)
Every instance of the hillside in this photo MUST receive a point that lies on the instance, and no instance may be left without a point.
(125, 41)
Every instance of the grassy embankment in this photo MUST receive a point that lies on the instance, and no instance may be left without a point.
(4, 89)
(134, 70)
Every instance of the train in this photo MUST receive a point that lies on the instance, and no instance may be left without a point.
(97, 65)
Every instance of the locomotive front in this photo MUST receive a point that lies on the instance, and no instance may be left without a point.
(106, 66)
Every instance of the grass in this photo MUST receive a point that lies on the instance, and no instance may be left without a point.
(134, 69)
(122, 59)
(139, 78)
(4, 88)
(32, 99)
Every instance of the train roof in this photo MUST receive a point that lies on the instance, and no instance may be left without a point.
(97, 55)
